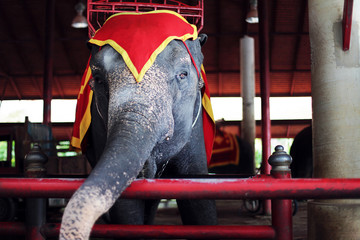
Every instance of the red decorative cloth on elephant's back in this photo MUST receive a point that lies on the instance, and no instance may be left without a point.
(225, 151)
(139, 38)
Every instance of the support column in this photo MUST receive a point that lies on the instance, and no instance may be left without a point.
(48, 60)
(336, 116)
(265, 91)
(247, 71)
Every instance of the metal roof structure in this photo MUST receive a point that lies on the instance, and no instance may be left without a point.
(22, 38)
(23, 48)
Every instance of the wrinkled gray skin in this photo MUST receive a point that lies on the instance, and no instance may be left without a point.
(136, 128)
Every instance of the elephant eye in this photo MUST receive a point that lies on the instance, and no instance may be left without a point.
(182, 75)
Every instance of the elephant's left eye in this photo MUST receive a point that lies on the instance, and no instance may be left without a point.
(182, 75)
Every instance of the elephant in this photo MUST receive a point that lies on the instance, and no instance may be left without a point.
(146, 128)
(301, 153)
(231, 154)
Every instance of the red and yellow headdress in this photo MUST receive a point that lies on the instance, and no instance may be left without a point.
(140, 38)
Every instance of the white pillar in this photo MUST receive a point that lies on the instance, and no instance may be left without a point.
(247, 68)
(336, 116)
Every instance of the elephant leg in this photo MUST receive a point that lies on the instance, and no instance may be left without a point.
(134, 211)
(128, 211)
(151, 207)
(197, 212)
(192, 161)
(193, 212)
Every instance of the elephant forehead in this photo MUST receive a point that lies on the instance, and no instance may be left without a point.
(109, 59)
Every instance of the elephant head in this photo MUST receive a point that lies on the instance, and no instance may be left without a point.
(142, 122)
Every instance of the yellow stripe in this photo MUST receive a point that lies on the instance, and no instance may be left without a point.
(120, 50)
(88, 74)
(149, 63)
(157, 51)
(75, 142)
(206, 100)
(138, 76)
(84, 124)
(207, 106)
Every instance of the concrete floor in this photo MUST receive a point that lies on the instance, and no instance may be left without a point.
(233, 212)
(230, 212)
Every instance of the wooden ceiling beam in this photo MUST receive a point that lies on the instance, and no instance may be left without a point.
(16, 89)
(58, 86)
(301, 20)
(227, 71)
(34, 29)
(37, 86)
(272, 33)
(218, 45)
(7, 26)
(61, 30)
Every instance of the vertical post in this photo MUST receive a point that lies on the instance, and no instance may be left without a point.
(247, 70)
(48, 60)
(265, 90)
(35, 207)
(281, 208)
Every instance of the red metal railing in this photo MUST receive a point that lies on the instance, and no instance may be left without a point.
(259, 187)
(251, 188)
(276, 186)
(99, 10)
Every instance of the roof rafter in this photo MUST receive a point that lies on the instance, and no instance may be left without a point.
(300, 26)
(16, 89)
(9, 29)
(60, 28)
(58, 85)
(37, 86)
(34, 28)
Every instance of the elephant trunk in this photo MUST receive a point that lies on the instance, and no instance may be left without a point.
(128, 146)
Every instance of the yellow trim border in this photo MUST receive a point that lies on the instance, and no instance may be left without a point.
(139, 76)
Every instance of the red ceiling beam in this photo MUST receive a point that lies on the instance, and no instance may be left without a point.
(15, 88)
(347, 18)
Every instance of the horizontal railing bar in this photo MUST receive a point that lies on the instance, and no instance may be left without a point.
(153, 231)
(12, 229)
(252, 188)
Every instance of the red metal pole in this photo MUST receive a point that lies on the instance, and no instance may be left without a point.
(249, 188)
(265, 84)
(12, 229)
(281, 208)
(48, 60)
(173, 231)
(346, 24)
(265, 91)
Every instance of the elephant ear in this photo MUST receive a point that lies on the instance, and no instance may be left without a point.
(203, 38)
